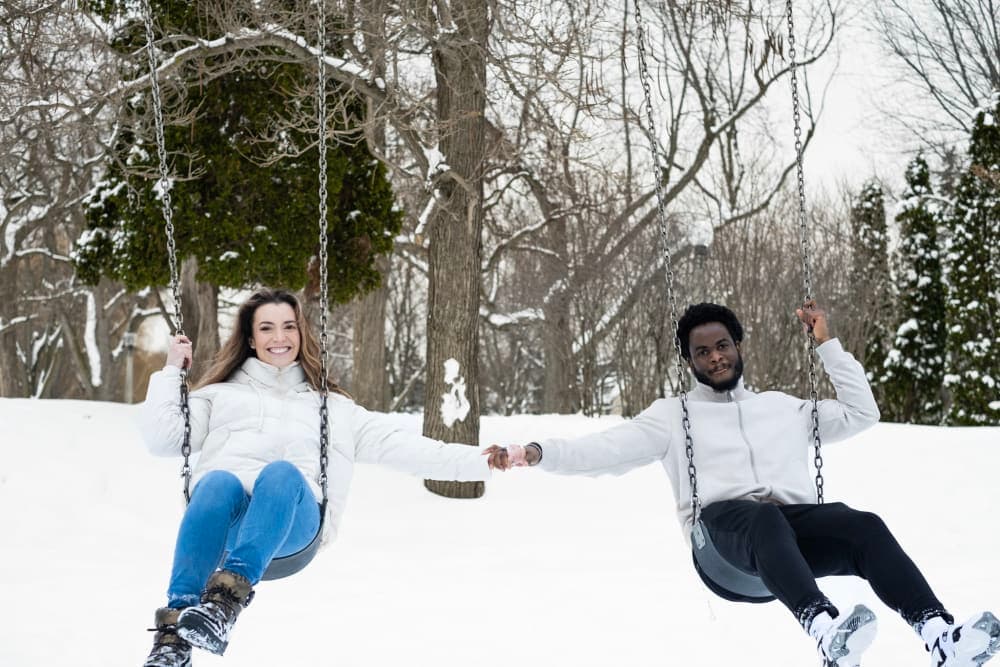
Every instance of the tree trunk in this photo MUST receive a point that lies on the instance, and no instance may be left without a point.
(370, 380)
(369, 376)
(451, 404)
(559, 395)
(200, 310)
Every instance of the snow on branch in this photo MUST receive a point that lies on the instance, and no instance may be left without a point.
(10, 324)
(42, 251)
(248, 39)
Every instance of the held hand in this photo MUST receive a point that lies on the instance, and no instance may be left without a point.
(512, 456)
(498, 457)
(813, 320)
(179, 352)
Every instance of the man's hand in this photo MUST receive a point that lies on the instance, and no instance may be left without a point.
(813, 320)
(179, 353)
(505, 458)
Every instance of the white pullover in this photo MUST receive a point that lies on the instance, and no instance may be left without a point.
(747, 445)
(264, 414)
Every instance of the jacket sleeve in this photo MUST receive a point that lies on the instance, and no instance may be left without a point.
(854, 409)
(378, 439)
(615, 451)
(161, 420)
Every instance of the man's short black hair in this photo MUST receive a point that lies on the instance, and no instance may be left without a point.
(703, 313)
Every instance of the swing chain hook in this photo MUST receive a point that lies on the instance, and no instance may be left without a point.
(166, 205)
(806, 249)
(660, 174)
(324, 430)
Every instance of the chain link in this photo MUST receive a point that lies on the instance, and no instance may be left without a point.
(806, 250)
(167, 207)
(323, 258)
(658, 172)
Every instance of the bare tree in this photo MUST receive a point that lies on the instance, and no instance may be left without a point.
(579, 182)
(53, 66)
(947, 55)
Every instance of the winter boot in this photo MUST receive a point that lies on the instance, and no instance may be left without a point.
(841, 641)
(967, 645)
(207, 625)
(169, 650)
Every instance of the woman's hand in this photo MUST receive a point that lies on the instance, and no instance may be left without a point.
(179, 353)
(512, 456)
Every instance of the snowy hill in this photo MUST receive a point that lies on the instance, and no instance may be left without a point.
(544, 571)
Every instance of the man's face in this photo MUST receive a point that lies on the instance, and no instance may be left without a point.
(715, 358)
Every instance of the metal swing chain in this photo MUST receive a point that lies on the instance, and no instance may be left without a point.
(806, 252)
(166, 205)
(667, 265)
(324, 431)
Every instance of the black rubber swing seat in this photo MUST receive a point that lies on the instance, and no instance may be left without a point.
(722, 577)
(285, 566)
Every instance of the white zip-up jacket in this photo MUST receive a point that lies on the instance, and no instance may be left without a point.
(747, 445)
(265, 414)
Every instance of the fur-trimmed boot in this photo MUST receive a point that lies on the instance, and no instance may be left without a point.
(207, 625)
(169, 650)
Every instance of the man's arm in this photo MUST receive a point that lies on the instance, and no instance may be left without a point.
(614, 451)
(854, 409)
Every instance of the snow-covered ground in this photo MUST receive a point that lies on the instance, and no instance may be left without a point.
(544, 571)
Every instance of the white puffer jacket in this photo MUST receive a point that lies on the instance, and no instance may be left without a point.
(746, 445)
(264, 414)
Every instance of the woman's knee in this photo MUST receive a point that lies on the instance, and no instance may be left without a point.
(218, 486)
(279, 474)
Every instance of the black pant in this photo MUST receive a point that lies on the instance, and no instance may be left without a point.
(788, 546)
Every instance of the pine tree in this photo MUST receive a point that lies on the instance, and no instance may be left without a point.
(973, 275)
(873, 285)
(913, 373)
(249, 213)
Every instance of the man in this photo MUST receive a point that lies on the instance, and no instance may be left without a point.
(751, 451)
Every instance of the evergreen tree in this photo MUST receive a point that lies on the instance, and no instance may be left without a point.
(244, 208)
(913, 374)
(973, 275)
(873, 286)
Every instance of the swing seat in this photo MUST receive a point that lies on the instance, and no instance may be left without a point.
(722, 577)
(285, 566)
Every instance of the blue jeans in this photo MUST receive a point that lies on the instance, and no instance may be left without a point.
(225, 526)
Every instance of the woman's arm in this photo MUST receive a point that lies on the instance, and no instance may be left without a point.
(160, 419)
(378, 439)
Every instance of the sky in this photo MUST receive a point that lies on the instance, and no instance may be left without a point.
(543, 571)
(855, 140)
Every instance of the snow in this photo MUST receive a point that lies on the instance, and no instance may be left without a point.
(228, 255)
(454, 403)
(90, 342)
(543, 570)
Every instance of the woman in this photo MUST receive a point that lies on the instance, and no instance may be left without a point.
(255, 419)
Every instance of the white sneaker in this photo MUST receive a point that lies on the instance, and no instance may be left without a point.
(842, 640)
(967, 645)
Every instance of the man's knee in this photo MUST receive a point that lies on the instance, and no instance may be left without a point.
(868, 526)
(768, 523)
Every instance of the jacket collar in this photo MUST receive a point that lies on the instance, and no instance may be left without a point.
(702, 392)
(255, 371)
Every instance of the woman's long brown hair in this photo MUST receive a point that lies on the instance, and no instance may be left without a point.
(237, 348)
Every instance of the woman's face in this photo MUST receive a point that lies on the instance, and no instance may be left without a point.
(275, 334)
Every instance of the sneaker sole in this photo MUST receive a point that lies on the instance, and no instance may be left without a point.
(990, 626)
(193, 629)
(854, 635)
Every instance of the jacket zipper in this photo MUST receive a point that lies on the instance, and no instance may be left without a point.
(743, 434)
